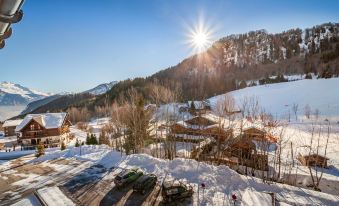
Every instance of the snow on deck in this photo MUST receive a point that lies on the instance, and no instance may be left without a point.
(54, 197)
(30, 200)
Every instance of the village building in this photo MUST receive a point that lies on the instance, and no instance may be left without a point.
(313, 160)
(49, 129)
(257, 134)
(198, 107)
(244, 151)
(199, 128)
(9, 127)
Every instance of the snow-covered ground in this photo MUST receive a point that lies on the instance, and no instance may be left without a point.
(221, 182)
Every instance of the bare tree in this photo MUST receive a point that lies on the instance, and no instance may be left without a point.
(136, 119)
(225, 108)
(295, 108)
(316, 114)
(163, 95)
(317, 170)
(307, 111)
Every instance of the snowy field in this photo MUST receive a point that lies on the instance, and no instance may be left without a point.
(277, 99)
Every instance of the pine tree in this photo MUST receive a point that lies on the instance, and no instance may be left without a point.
(93, 139)
(88, 139)
(40, 150)
(192, 106)
(77, 144)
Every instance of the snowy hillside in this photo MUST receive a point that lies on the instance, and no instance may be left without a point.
(101, 89)
(15, 94)
(277, 99)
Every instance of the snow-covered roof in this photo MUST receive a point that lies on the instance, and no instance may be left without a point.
(47, 120)
(12, 123)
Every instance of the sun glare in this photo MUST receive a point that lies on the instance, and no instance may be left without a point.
(200, 37)
(200, 40)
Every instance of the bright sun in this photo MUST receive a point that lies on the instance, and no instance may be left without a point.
(200, 37)
(200, 40)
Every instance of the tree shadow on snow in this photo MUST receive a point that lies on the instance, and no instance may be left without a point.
(85, 179)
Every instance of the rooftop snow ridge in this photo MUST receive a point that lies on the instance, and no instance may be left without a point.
(47, 120)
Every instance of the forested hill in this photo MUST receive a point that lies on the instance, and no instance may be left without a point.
(231, 62)
(251, 56)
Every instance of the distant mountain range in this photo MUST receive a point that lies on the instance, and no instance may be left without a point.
(12, 94)
(15, 94)
(101, 89)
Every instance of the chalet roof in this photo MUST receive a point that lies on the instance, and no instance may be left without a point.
(12, 123)
(260, 130)
(188, 123)
(315, 156)
(213, 120)
(47, 120)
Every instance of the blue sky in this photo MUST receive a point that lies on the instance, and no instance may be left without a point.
(73, 45)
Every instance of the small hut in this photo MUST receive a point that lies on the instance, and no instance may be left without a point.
(9, 127)
(314, 160)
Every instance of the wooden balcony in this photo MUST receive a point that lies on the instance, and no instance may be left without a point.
(34, 134)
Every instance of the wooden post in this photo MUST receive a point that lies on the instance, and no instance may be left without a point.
(292, 154)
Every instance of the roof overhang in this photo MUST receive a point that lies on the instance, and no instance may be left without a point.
(10, 13)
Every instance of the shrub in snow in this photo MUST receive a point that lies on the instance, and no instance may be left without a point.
(88, 139)
(77, 144)
(40, 150)
(63, 146)
(308, 76)
(91, 139)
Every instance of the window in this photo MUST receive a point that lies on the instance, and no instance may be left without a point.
(32, 127)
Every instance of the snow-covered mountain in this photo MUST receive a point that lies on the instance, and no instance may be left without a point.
(15, 94)
(101, 89)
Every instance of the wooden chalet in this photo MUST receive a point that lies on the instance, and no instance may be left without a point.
(9, 127)
(244, 150)
(313, 160)
(49, 129)
(199, 128)
(257, 134)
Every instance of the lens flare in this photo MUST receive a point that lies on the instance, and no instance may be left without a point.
(200, 40)
(200, 37)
